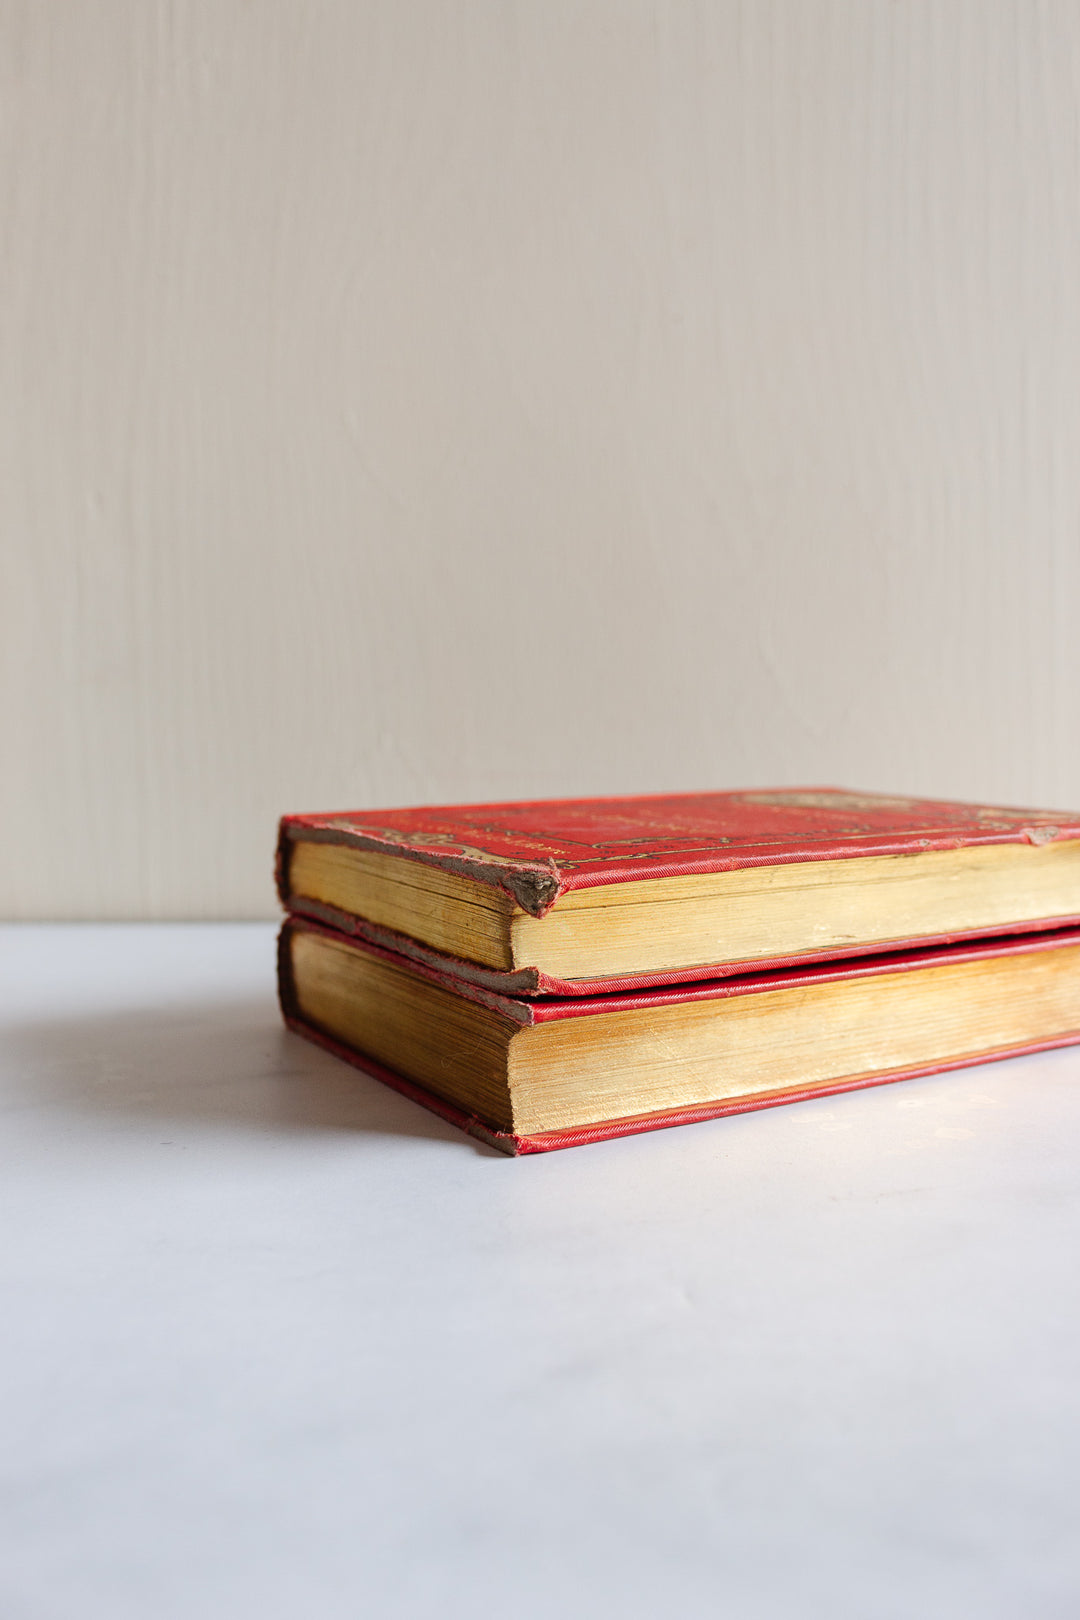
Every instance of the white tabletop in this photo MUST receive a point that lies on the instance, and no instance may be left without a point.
(277, 1342)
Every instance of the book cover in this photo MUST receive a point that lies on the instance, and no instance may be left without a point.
(539, 850)
(532, 1012)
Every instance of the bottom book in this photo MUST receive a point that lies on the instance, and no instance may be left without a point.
(530, 1076)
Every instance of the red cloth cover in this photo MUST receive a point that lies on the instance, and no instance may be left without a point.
(539, 850)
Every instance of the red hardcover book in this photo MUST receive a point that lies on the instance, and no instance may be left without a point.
(585, 896)
(528, 1076)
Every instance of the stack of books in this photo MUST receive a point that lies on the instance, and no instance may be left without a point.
(549, 974)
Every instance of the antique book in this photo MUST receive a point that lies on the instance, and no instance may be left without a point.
(531, 1075)
(585, 896)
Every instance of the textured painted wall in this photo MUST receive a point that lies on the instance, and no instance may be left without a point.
(462, 400)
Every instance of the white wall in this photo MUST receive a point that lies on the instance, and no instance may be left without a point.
(453, 399)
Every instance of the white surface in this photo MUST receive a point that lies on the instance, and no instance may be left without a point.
(442, 401)
(276, 1342)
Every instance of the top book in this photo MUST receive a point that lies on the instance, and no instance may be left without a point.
(580, 896)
